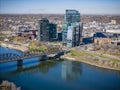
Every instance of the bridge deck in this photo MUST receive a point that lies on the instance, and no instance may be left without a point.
(9, 57)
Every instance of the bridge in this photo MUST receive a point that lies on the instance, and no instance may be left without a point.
(9, 57)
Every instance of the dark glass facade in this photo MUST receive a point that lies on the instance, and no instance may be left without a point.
(60, 36)
(52, 31)
(72, 28)
(72, 16)
(47, 31)
(43, 32)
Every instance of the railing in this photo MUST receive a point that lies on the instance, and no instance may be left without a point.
(8, 57)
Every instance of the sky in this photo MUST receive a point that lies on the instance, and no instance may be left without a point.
(59, 6)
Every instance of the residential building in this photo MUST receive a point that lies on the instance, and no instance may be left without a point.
(72, 28)
(72, 16)
(102, 41)
(64, 32)
(74, 34)
(59, 36)
(43, 32)
(52, 31)
(47, 31)
(27, 32)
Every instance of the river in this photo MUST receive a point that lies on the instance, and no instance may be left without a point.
(58, 75)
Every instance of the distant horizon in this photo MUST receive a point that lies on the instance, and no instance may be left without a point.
(49, 14)
(97, 7)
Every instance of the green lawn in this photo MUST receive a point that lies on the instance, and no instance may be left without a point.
(109, 58)
(81, 54)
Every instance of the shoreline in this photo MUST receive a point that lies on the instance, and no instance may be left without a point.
(72, 58)
(90, 63)
(15, 47)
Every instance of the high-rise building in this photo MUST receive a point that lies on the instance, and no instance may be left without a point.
(47, 31)
(72, 16)
(59, 35)
(74, 34)
(43, 32)
(77, 34)
(64, 32)
(52, 31)
(72, 28)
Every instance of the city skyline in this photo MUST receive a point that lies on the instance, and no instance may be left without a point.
(59, 7)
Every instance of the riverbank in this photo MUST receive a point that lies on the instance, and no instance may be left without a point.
(14, 46)
(93, 59)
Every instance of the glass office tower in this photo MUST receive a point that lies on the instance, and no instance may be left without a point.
(72, 16)
(72, 28)
(43, 32)
(47, 31)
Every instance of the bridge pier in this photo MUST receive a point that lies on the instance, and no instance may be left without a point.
(19, 63)
(44, 57)
(19, 68)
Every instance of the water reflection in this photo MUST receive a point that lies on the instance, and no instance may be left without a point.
(71, 70)
(42, 66)
(46, 65)
(62, 75)
(101, 70)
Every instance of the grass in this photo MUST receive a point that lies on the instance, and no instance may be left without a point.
(108, 58)
(107, 52)
(80, 54)
(90, 58)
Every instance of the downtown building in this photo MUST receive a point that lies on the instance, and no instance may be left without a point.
(47, 31)
(74, 34)
(72, 16)
(52, 32)
(25, 31)
(72, 28)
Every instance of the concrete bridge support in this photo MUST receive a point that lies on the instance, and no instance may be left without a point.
(19, 63)
(44, 57)
(19, 68)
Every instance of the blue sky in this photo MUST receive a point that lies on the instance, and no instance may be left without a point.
(59, 6)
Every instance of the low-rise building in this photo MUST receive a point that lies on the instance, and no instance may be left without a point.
(30, 33)
(101, 41)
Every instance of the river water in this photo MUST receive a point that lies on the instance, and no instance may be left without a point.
(57, 75)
